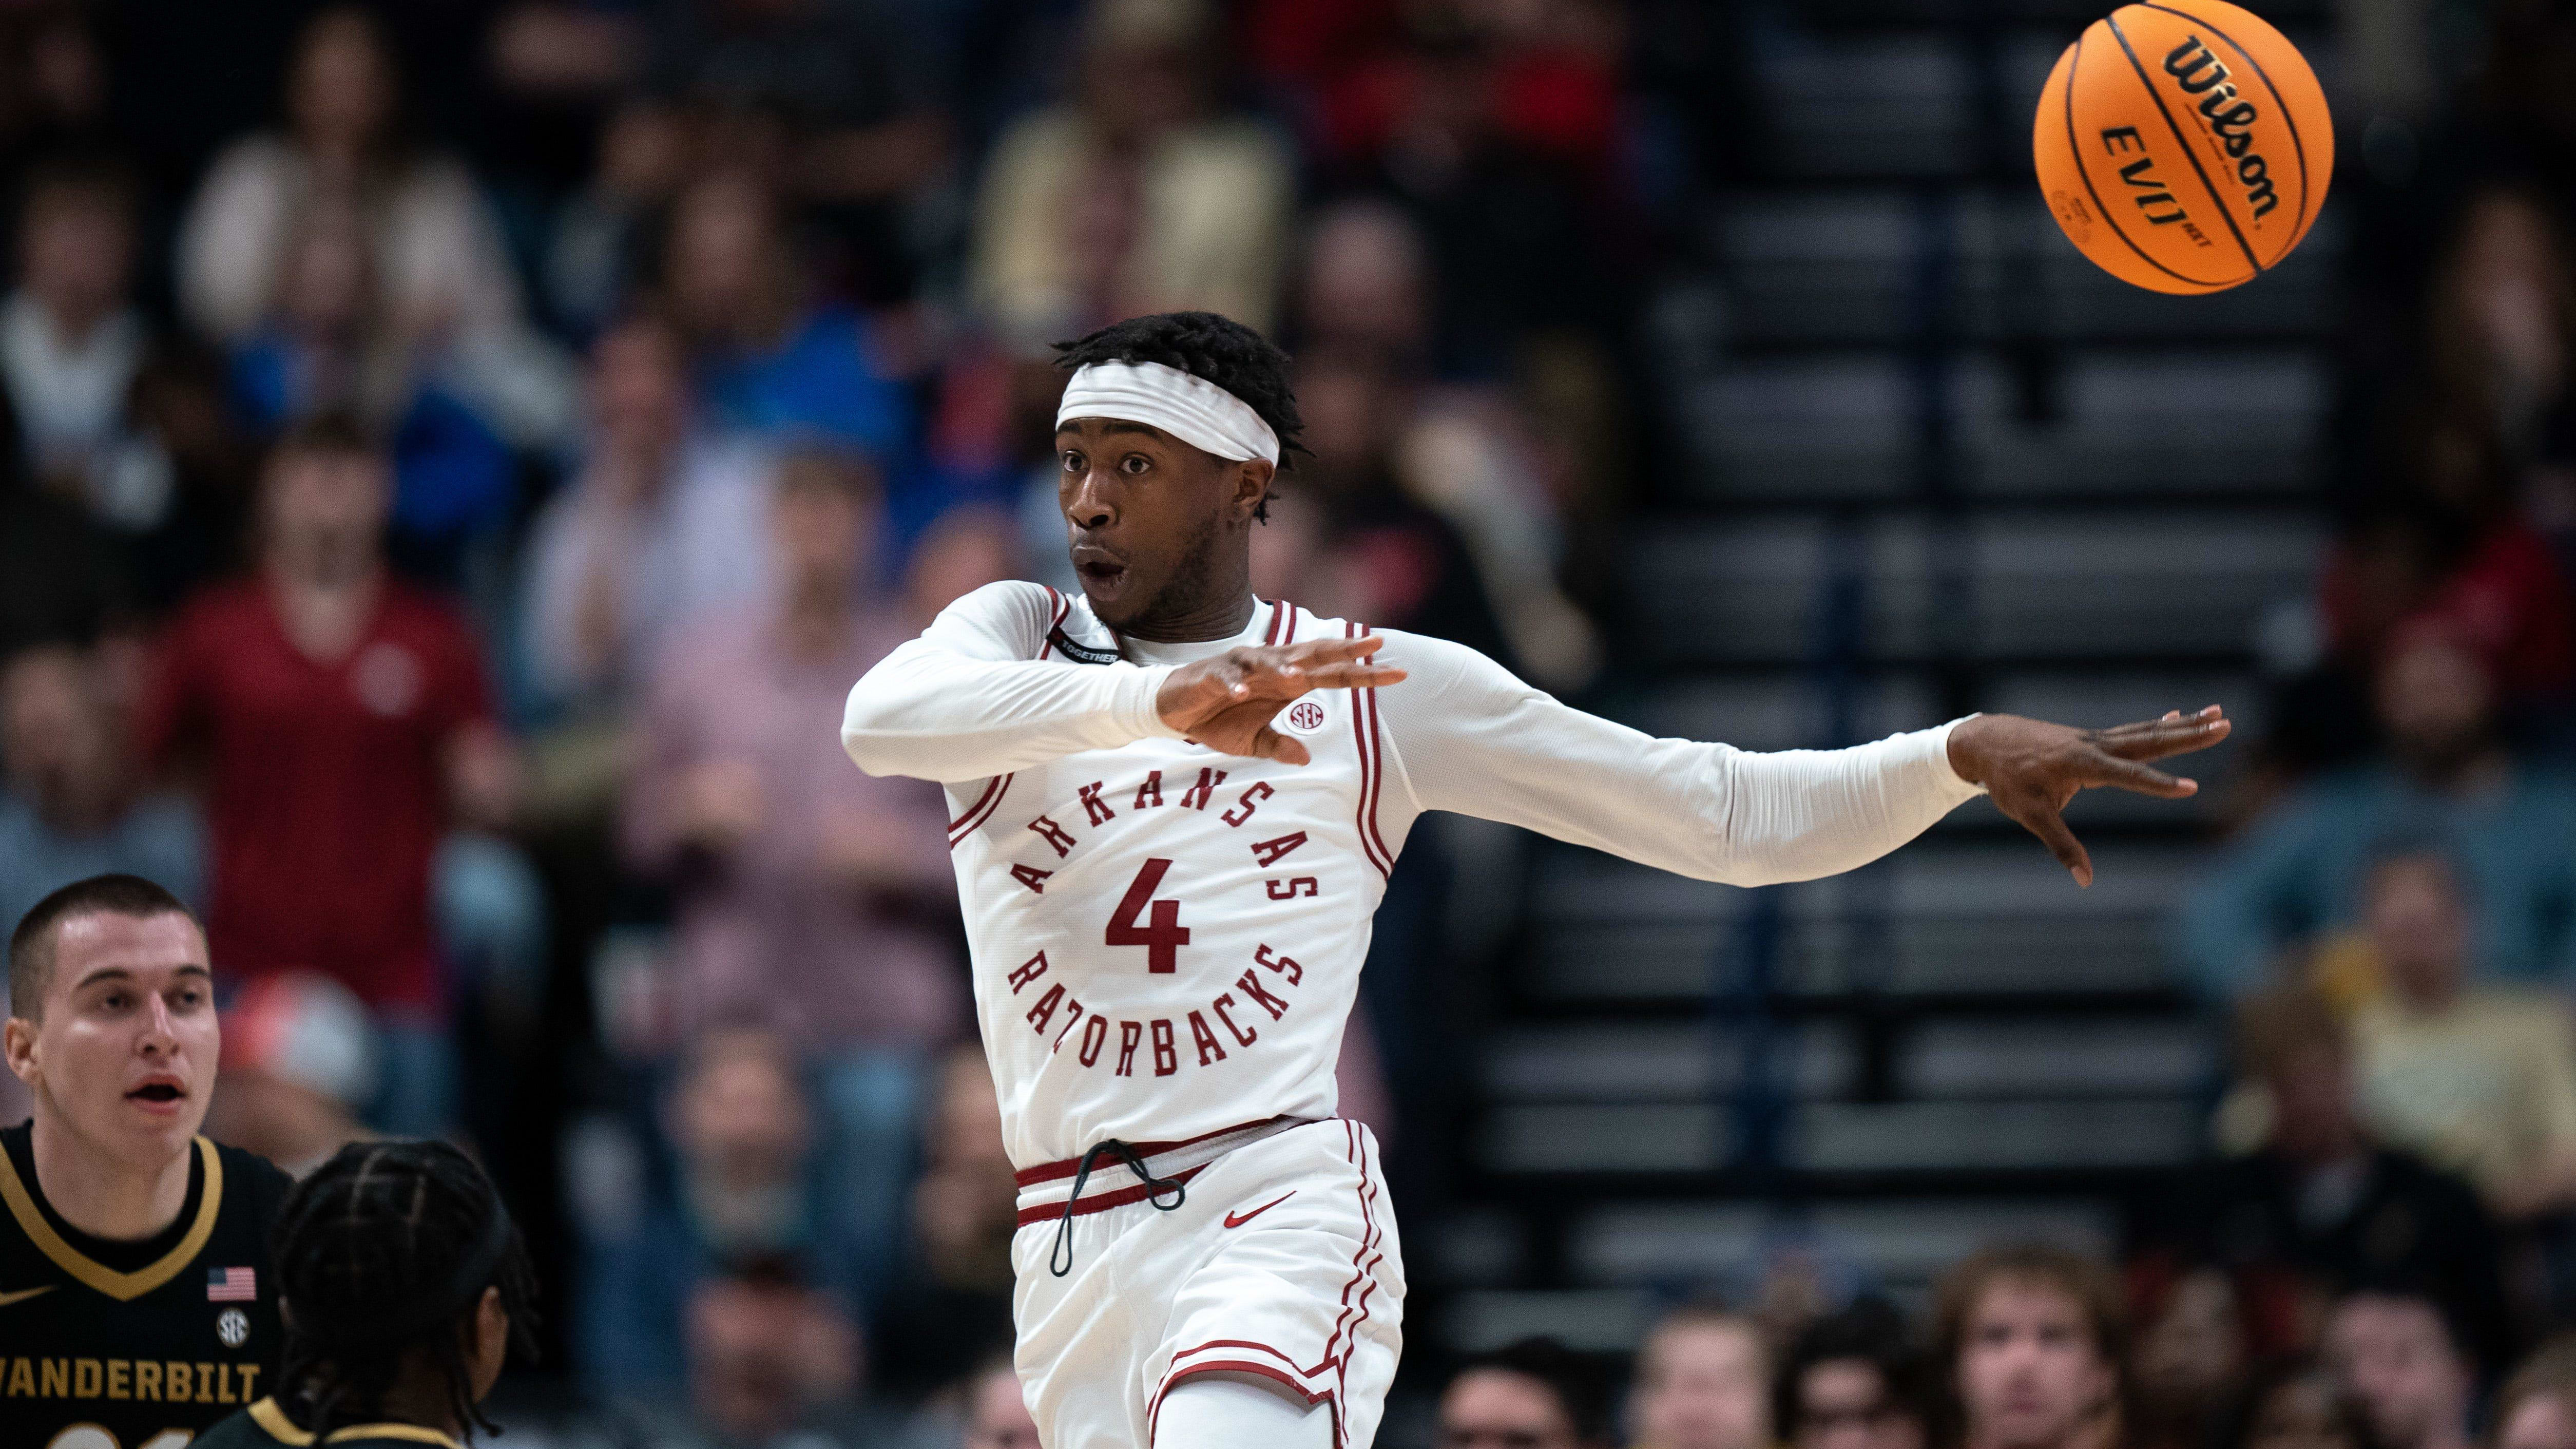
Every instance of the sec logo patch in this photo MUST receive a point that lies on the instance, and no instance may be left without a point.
(1305, 717)
(232, 1328)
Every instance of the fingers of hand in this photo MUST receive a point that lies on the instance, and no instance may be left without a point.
(2155, 739)
(1269, 744)
(2051, 829)
(2127, 774)
(1315, 652)
(1352, 676)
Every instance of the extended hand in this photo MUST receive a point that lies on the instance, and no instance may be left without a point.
(2032, 768)
(1226, 702)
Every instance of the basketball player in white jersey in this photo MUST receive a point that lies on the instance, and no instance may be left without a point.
(1176, 806)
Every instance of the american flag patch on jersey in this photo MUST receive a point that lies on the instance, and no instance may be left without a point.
(231, 1285)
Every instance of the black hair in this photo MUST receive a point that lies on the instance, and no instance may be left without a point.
(31, 942)
(385, 1251)
(1578, 1385)
(1871, 1331)
(2245, 1413)
(1208, 347)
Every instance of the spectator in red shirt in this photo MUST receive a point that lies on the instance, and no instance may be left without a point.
(340, 722)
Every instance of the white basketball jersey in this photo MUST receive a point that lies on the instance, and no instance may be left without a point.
(1167, 940)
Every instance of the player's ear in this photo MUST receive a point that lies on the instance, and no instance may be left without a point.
(18, 1042)
(1252, 481)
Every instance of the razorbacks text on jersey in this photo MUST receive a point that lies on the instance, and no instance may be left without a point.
(112, 1345)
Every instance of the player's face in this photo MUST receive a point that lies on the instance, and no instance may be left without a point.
(124, 1056)
(1147, 515)
(2029, 1374)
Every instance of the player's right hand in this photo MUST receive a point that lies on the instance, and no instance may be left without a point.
(1226, 701)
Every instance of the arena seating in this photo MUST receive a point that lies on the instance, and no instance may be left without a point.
(1911, 477)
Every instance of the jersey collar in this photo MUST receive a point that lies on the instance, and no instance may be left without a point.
(88, 1271)
(272, 1420)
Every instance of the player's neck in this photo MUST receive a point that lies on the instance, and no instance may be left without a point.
(101, 1195)
(1223, 614)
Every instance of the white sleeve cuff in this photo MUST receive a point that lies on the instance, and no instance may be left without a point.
(1939, 739)
(1135, 709)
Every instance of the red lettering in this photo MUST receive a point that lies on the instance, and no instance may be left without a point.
(1095, 1032)
(1210, 1049)
(1287, 890)
(1093, 807)
(1269, 851)
(1152, 789)
(1251, 984)
(1197, 796)
(1164, 938)
(1053, 834)
(1166, 1060)
(1032, 877)
(1250, 801)
(1030, 970)
(1129, 1033)
(1285, 965)
(1044, 1011)
(1242, 1037)
(1073, 1013)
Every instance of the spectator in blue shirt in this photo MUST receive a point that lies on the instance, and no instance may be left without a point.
(770, 358)
(2444, 782)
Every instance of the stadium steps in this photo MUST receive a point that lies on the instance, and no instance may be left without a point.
(1964, 1048)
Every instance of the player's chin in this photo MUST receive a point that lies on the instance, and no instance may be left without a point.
(1113, 591)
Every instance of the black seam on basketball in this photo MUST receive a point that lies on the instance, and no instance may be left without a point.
(2188, 154)
(2075, 151)
(2298, 148)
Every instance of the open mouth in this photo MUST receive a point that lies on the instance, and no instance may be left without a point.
(156, 1093)
(1102, 574)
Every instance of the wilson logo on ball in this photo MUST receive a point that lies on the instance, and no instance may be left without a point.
(2196, 70)
(2183, 145)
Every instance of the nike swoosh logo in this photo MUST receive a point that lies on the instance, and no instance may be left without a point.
(23, 1294)
(1236, 1220)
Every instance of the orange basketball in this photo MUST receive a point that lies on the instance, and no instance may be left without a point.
(2183, 145)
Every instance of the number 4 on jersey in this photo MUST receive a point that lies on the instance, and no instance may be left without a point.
(1163, 938)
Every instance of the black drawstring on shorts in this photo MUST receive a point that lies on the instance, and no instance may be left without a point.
(1060, 1260)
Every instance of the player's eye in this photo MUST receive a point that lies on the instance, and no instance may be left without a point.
(1072, 461)
(1134, 463)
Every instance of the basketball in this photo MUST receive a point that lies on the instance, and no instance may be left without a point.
(2183, 145)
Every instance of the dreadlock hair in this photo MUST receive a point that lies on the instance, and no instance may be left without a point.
(384, 1251)
(1208, 347)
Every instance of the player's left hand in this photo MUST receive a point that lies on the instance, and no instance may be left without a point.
(2033, 768)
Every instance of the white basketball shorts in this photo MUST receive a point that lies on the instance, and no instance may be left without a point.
(1282, 1263)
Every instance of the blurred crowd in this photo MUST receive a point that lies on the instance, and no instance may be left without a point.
(2390, 925)
(455, 458)
(2033, 1346)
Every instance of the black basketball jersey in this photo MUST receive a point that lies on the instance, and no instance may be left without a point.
(265, 1426)
(112, 1345)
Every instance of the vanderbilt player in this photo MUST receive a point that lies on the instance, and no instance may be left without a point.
(136, 1301)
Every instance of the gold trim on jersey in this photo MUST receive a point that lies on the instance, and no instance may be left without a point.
(269, 1417)
(273, 1421)
(391, 1431)
(122, 1287)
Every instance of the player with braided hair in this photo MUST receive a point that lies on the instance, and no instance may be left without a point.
(405, 1286)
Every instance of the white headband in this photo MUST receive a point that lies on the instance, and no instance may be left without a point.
(1192, 409)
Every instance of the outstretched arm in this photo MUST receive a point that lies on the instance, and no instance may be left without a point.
(970, 698)
(1471, 738)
